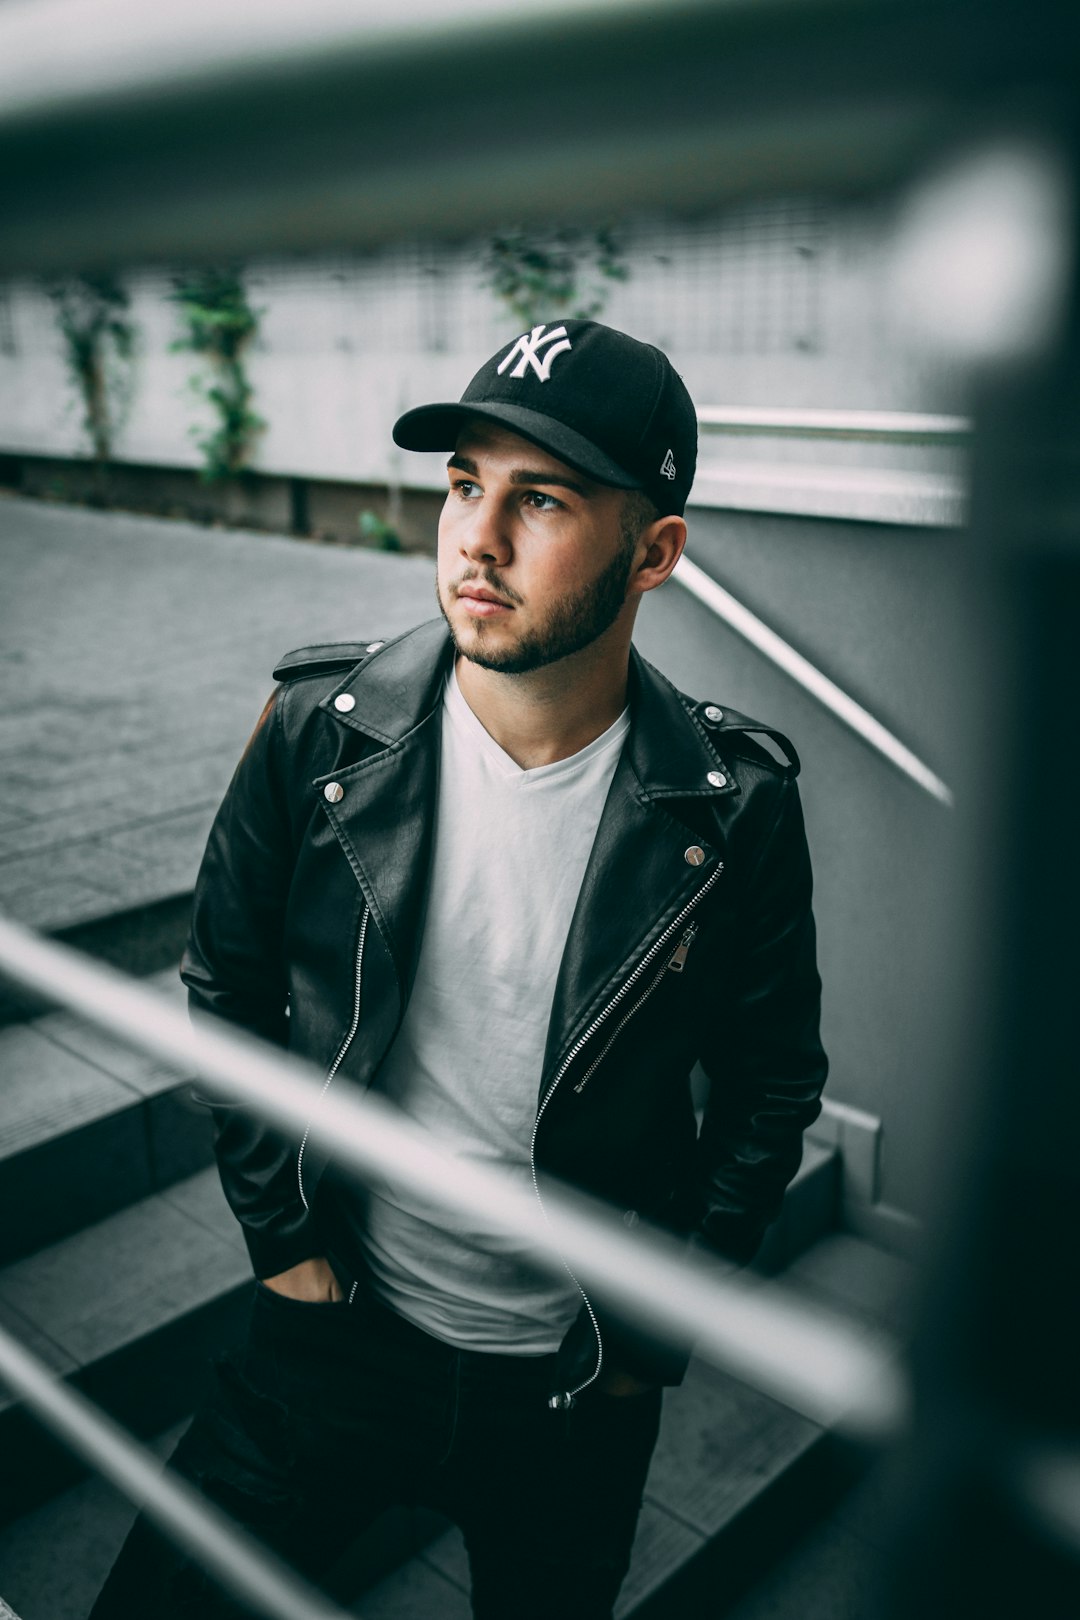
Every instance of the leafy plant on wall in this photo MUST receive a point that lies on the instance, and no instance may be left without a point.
(92, 312)
(541, 273)
(219, 326)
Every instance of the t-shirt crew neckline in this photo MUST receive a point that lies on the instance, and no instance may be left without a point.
(466, 722)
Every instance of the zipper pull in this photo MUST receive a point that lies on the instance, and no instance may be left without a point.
(682, 950)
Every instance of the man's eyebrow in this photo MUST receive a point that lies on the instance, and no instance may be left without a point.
(525, 475)
(522, 475)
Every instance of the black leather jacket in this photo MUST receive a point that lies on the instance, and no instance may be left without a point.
(692, 941)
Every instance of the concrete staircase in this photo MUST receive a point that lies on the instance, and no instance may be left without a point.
(119, 1262)
(122, 1267)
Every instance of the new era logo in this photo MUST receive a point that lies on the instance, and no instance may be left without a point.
(529, 345)
(668, 467)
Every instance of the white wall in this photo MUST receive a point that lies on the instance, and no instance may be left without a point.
(777, 304)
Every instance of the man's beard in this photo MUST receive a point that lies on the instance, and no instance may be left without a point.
(574, 620)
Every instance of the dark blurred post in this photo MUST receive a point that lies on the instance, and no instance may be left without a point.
(997, 1360)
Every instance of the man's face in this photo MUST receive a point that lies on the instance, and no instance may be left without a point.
(533, 562)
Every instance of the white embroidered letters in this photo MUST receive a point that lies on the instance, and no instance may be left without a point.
(668, 467)
(529, 346)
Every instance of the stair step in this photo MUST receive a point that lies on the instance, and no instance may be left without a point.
(734, 1479)
(88, 1524)
(129, 1309)
(725, 1454)
(810, 1211)
(89, 1126)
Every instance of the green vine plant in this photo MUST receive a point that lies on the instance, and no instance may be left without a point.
(219, 325)
(92, 312)
(540, 273)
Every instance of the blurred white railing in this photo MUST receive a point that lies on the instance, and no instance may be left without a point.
(894, 467)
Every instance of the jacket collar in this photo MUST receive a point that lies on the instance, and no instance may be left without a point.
(670, 751)
(669, 748)
(397, 685)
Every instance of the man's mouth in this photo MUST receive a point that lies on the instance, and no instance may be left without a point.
(478, 600)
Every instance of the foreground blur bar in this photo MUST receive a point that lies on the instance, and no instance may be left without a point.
(810, 1360)
(131, 132)
(244, 1567)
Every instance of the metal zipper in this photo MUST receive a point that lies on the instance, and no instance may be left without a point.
(682, 950)
(674, 964)
(342, 1049)
(583, 1040)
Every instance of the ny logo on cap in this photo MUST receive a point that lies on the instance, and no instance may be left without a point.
(529, 346)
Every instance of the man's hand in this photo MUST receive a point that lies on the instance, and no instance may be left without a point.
(312, 1280)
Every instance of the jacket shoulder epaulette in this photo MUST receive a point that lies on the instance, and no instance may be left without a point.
(323, 658)
(729, 722)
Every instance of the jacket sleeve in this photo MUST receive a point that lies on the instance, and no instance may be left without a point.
(234, 970)
(766, 1066)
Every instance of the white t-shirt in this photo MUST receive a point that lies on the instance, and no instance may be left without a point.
(511, 847)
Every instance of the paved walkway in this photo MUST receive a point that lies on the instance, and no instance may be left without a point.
(135, 656)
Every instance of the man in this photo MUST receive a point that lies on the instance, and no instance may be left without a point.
(501, 871)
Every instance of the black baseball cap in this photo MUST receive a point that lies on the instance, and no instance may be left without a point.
(603, 402)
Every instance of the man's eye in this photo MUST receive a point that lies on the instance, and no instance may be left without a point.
(541, 502)
(466, 489)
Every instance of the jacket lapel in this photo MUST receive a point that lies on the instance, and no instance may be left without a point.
(639, 877)
(385, 818)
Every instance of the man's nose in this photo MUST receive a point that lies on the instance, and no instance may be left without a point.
(487, 535)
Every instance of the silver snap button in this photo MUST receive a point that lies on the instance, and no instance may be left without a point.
(717, 779)
(713, 715)
(333, 792)
(344, 702)
(631, 1218)
(694, 855)
(373, 646)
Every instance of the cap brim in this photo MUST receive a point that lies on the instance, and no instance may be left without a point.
(436, 427)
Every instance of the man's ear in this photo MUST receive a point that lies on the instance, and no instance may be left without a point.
(659, 548)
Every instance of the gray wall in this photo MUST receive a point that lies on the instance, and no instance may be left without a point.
(879, 610)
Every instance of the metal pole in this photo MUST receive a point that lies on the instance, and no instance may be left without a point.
(244, 1567)
(990, 1464)
(811, 1360)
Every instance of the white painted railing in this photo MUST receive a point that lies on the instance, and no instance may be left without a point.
(913, 427)
(896, 467)
(810, 678)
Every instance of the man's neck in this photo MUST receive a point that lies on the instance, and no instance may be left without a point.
(550, 713)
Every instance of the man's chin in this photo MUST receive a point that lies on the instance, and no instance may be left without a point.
(477, 640)
(504, 655)
(485, 653)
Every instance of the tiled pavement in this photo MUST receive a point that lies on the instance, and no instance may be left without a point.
(135, 656)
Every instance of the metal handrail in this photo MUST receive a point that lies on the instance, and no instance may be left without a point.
(811, 1360)
(808, 1358)
(913, 427)
(809, 677)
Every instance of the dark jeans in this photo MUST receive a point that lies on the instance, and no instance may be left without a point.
(333, 1412)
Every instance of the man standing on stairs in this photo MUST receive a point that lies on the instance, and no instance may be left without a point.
(502, 871)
